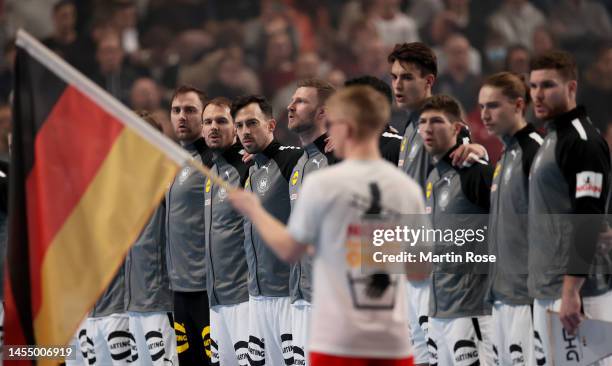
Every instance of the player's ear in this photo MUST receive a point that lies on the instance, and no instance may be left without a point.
(271, 125)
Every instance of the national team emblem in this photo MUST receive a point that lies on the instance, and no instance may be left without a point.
(263, 185)
(184, 174)
(222, 194)
(428, 190)
(247, 184)
(208, 184)
(295, 177)
(403, 145)
(444, 196)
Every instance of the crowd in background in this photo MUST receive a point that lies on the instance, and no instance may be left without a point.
(140, 50)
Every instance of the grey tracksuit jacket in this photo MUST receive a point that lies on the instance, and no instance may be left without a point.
(508, 218)
(185, 252)
(147, 287)
(313, 158)
(269, 179)
(458, 289)
(569, 176)
(226, 262)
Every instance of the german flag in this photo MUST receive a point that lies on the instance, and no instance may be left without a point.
(86, 174)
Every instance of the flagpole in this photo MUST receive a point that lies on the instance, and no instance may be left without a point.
(110, 104)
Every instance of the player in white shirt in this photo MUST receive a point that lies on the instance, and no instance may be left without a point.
(343, 332)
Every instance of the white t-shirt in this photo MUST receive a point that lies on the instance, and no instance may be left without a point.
(329, 201)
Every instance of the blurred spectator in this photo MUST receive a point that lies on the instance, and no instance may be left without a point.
(392, 25)
(457, 17)
(177, 15)
(494, 52)
(124, 18)
(423, 11)
(6, 72)
(595, 91)
(233, 77)
(515, 21)
(307, 66)
(543, 40)
(161, 61)
(517, 60)
(5, 128)
(458, 81)
(145, 95)
(336, 78)
(277, 69)
(580, 20)
(113, 73)
(64, 36)
(31, 15)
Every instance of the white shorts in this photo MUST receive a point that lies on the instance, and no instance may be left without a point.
(418, 307)
(229, 334)
(270, 331)
(513, 334)
(463, 341)
(113, 342)
(595, 307)
(300, 328)
(155, 338)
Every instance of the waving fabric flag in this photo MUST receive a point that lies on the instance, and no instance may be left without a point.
(86, 175)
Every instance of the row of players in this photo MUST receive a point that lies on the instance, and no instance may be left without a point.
(227, 250)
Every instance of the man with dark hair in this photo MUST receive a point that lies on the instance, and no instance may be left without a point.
(568, 188)
(185, 228)
(269, 177)
(459, 319)
(224, 234)
(307, 118)
(390, 141)
(64, 37)
(413, 72)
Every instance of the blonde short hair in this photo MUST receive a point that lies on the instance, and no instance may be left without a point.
(366, 109)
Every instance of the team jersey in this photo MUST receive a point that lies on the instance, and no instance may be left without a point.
(508, 218)
(458, 288)
(569, 176)
(313, 159)
(226, 262)
(147, 287)
(269, 179)
(346, 319)
(185, 250)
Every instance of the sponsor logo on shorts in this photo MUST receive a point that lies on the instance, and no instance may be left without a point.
(242, 352)
(465, 351)
(433, 352)
(122, 345)
(516, 354)
(539, 349)
(182, 344)
(257, 353)
(287, 348)
(155, 344)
